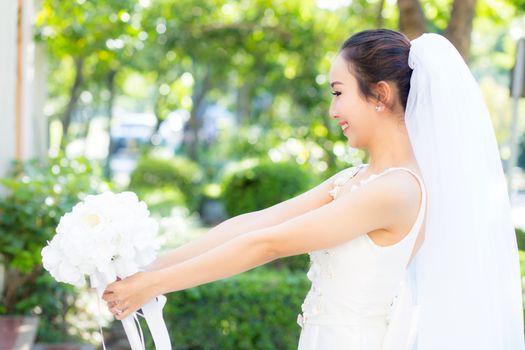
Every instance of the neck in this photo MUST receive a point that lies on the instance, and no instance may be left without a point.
(390, 147)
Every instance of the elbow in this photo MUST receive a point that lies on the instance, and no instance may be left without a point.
(265, 247)
(270, 251)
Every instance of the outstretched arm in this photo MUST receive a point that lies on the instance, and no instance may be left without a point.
(377, 205)
(241, 224)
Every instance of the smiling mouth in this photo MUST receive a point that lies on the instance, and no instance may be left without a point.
(345, 127)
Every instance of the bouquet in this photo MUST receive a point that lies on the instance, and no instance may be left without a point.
(104, 237)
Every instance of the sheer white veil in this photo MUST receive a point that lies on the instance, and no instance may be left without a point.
(466, 275)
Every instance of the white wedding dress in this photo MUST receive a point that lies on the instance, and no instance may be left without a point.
(353, 284)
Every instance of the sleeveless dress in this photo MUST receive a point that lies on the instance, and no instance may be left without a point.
(354, 284)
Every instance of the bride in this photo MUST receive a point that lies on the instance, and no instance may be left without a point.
(430, 211)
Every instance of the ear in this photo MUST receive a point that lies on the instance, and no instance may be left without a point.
(385, 93)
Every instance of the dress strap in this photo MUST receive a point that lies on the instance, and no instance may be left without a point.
(420, 216)
(421, 185)
(345, 176)
(422, 207)
(387, 170)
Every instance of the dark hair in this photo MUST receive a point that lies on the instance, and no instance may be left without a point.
(379, 54)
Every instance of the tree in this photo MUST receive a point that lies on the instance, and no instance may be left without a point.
(413, 23)
(267, 47)
(97, 36)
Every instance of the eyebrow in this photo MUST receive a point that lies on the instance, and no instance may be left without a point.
(335, 83)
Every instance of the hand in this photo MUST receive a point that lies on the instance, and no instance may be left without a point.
(126, 296)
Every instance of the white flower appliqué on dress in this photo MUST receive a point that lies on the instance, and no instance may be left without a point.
(320, 260)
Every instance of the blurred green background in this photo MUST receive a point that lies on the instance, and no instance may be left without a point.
(207, 109)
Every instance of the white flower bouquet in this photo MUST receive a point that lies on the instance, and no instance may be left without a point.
(104, 237)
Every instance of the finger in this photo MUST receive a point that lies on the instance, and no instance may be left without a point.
(110, 288)
(107, 292)
(110, 297)
(123, 314)
(111, 304)
(115, 310)
(113, 285)
(118, 312)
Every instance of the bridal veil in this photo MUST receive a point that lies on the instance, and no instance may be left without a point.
(466, 274)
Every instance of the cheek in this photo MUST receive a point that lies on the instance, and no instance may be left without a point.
(345, 106)
(349, 107)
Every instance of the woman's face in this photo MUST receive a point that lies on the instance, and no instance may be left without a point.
(352, 112)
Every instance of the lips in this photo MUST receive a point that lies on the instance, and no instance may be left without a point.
(344, 125)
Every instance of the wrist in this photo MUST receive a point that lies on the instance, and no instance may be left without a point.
(157, 282)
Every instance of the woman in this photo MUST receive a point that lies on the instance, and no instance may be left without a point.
(417, 109)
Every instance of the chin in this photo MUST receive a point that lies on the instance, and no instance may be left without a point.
(351, 142)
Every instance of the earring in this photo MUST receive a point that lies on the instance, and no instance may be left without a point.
(379, 108)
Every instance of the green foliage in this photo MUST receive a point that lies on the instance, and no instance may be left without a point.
(520, 237)
(161, 200)
(263, 185)
(274, 57)
(522, 268)
(255, 310)
(521, 152)
(164, 183)
(38, 194)
(88, 40)
(186, 51)
(297, 263)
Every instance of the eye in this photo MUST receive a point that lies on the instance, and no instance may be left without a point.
(336, 93)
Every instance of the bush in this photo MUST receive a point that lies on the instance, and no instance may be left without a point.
(162, 200)
(264, 185)
(521, 152)
(178, 178)
(38, 194)
(297, 263)
(254, 310)
(520, 237)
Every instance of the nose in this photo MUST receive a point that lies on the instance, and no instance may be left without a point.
(332, 112)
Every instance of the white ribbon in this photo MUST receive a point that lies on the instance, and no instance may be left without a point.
(152, 311)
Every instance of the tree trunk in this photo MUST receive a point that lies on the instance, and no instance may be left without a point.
(109, 113)
(459, 26)
(191, 134)
(157, 104)
(412, 20)
(412, 23)
(243, 104)
(73, 99)
(379, 18)
(85, 120)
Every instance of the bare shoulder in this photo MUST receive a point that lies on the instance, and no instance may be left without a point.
(400, 189)
(396, 189)
(407, 182)
(380, 203)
